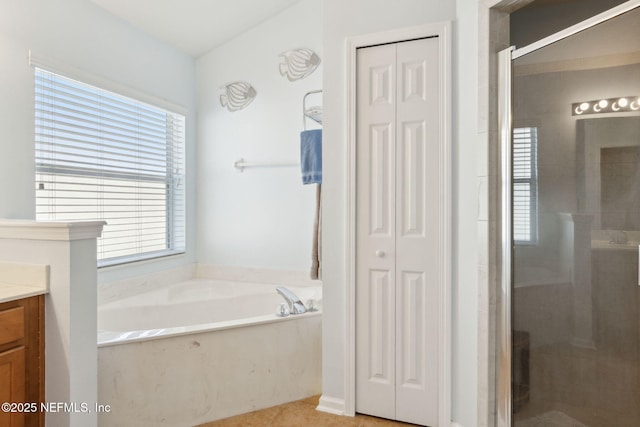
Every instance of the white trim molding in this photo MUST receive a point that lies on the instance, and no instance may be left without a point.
(442, 31)
(332, 405)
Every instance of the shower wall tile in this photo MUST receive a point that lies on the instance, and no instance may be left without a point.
(614, 273)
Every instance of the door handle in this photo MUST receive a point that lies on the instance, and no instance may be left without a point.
(380, 253)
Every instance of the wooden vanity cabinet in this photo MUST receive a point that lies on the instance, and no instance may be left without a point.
(22, 361)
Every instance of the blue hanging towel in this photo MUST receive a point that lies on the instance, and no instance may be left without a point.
(311, 156)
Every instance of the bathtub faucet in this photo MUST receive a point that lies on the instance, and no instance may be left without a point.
(295, 305)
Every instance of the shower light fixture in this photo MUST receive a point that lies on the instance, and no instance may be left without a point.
(602, 106)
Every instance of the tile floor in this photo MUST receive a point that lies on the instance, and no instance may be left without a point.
(301, 413)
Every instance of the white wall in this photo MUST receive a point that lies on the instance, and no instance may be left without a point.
(468, 160)
(80, 35)
(344, 19)
(262, 217)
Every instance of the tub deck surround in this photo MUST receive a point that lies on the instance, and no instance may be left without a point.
(20, 280)
(204, 349)
(192, 379)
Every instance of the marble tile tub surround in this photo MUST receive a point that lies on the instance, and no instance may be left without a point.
(187, 380)
(20, 280)
(199, 377)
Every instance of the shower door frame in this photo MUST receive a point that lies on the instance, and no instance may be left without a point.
(506, 57)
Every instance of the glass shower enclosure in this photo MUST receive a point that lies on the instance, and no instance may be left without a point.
(571, 227)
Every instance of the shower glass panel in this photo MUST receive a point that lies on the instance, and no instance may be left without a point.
(576, 230)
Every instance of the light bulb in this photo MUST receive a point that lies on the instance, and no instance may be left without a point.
(615, 107)
(623, 102)
(584, 106)
(596, 108)
(578, 110)
(634, 106)
(603, 103)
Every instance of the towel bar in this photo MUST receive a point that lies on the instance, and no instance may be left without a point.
(314, 113)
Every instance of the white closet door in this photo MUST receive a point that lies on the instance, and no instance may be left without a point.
(397, 231)
(375, 230)
(417, 231)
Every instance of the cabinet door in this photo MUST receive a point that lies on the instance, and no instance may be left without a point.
(12, 384)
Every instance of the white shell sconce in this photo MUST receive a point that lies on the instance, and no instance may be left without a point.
(298, 63)
(237, 95)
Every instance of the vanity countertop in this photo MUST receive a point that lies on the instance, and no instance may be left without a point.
(11, 292)
(19, 280)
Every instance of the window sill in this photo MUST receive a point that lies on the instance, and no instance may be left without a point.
(152, 256)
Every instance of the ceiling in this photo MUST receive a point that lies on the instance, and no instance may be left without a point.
(194, 26)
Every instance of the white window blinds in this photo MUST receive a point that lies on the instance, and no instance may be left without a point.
(103, 156)
(525, 185)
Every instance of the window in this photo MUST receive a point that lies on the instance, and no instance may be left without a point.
(525, 185)
(103, 156)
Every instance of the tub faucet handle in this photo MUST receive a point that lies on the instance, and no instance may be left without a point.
(283, 310)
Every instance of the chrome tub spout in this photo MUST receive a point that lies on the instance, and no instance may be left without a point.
(295, 305)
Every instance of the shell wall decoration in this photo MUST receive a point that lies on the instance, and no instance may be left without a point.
(298, 63)
(237, 95)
